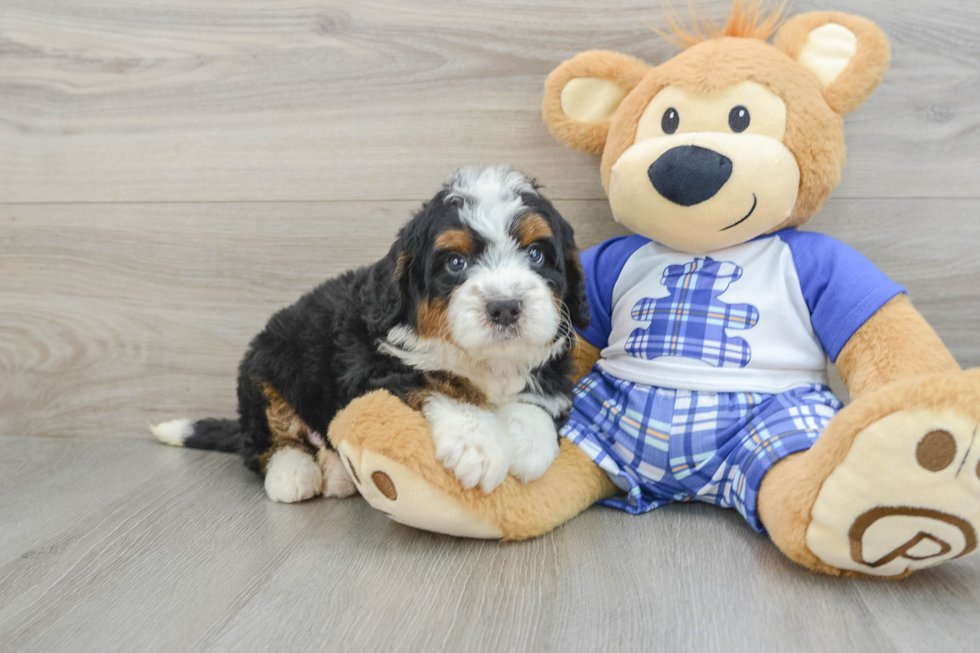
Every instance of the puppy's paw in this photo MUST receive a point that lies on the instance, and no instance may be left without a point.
(469, 441)
(534, 440)
(292, 475)
(336, 481)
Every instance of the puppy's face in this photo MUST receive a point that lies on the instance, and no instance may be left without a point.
(492, 267)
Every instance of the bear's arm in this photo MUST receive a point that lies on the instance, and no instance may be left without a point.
(895, 343)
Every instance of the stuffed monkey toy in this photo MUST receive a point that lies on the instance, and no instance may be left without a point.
(702, 373)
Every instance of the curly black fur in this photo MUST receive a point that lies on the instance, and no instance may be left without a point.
(322, 352)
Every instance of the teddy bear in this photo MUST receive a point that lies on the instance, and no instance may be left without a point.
(702, 373)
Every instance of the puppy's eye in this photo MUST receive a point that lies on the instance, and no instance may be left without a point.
(739, 119)
(535, 256)
(456, 263)
(670, 121)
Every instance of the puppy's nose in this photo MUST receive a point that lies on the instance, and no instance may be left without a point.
(688, 174)
(503, 312)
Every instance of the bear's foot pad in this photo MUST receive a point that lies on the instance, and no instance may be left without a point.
(408, 498)
(906, 496)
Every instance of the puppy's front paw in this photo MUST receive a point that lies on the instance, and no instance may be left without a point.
(336, 481)
(469, 442)
(292, 476)
(534, 440)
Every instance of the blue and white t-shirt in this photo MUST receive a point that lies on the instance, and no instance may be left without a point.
(759, 317)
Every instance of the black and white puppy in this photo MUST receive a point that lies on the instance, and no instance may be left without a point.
(469, 318)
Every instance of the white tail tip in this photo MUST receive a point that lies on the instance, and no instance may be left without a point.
(174, 432)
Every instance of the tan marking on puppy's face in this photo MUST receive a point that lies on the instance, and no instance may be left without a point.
(432, 319)
(455, 240)
(532, 228)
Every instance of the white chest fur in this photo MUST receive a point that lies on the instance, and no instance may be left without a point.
(501, 378)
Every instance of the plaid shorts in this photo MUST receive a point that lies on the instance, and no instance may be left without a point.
(661, 445)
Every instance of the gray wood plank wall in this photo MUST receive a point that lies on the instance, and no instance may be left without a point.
(171, 172)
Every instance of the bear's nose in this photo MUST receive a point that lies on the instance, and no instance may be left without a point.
(688, 174)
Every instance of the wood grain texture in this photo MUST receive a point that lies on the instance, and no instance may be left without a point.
(172, 172)
(205, 100)
(127, 566)
(116, 315)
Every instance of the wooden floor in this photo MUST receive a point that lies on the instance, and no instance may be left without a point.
(171, 172)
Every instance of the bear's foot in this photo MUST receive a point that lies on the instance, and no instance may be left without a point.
(892, 486)
(409, 498)
(907, 496)
(387, 448)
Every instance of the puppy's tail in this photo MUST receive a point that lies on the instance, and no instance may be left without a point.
(213, 434)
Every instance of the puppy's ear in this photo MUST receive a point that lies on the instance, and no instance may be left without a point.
(385, 290)
(578, 305)
(848, 54)
(582, 94)
(575, 299)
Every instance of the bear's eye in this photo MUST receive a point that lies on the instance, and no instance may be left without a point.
(739, 119)
(670, 121)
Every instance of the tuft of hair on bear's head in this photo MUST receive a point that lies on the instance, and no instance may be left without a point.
(747, 19)
(793, 91)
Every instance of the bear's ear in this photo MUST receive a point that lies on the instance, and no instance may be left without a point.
(848, 54)
(582, 94)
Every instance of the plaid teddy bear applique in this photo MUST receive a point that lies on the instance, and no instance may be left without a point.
(692, 320)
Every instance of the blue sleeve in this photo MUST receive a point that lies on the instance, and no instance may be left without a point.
(602, 265)
(842, 288)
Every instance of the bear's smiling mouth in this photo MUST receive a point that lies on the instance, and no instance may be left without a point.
(755, 202)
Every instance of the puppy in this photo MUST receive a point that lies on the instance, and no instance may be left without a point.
(469, 318)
